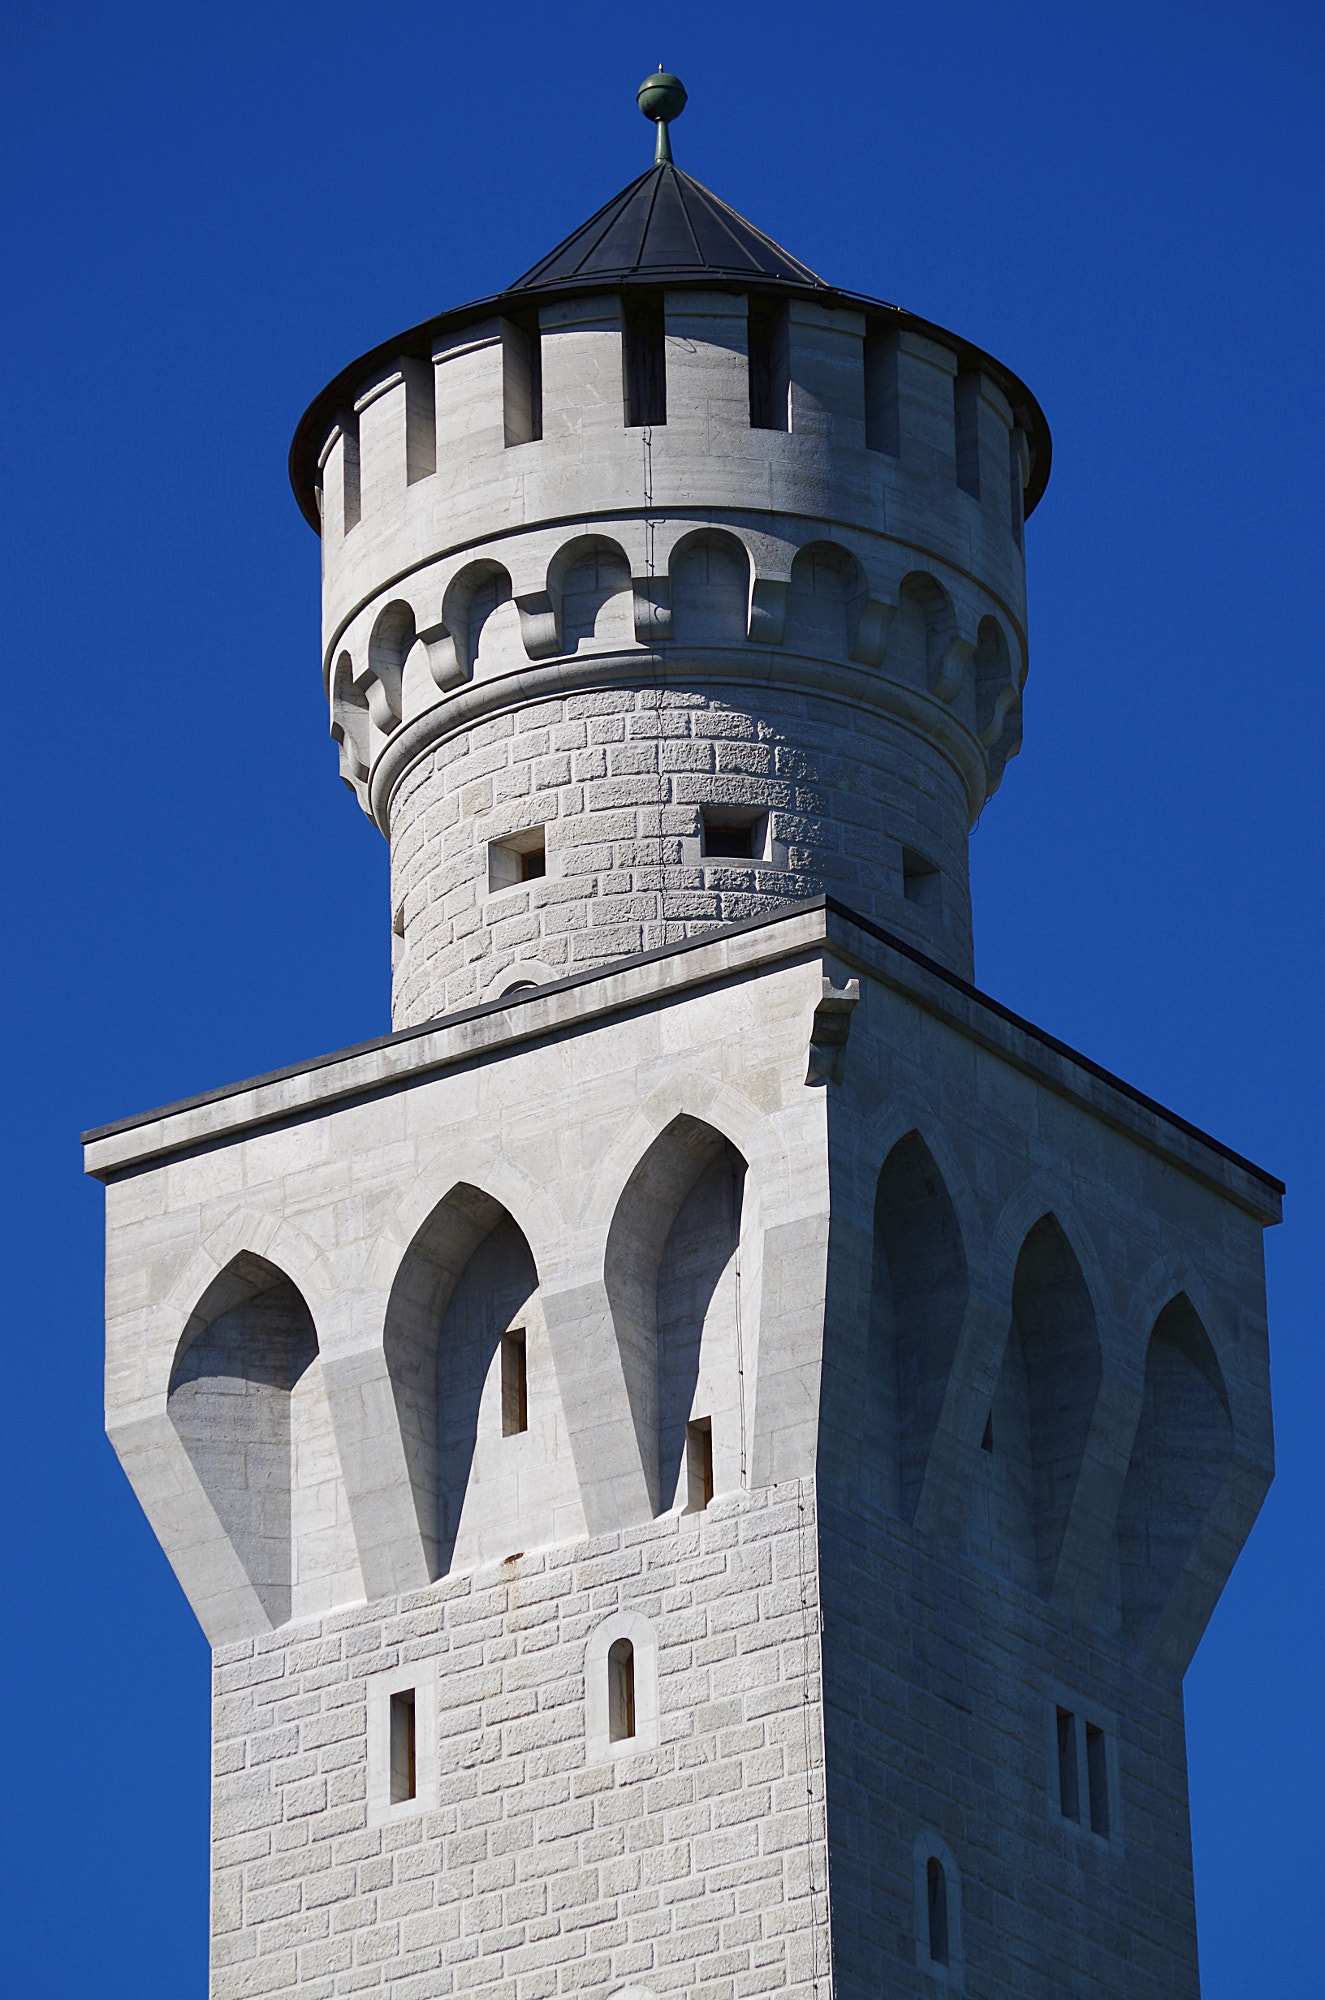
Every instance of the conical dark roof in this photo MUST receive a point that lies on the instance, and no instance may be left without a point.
(665, 226)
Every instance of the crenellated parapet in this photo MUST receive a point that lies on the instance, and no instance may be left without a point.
(711, 594)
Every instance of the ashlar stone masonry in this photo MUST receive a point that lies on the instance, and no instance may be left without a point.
(705, 1453)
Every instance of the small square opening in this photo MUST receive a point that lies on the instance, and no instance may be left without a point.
(519, 857)
(733, 836)
(921, 881)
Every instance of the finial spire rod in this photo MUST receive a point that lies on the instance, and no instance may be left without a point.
(662, 97)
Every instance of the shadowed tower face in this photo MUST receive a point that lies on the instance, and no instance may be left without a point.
(705, 1454)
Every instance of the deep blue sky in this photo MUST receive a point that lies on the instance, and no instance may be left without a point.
(207, 212)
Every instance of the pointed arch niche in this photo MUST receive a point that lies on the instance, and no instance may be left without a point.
(918, 1299)
(248, 1403)
(475, 1389)
(1041, 1414)
(680, 1285)
(1184, 1442)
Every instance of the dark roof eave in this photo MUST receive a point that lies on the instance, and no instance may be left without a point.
(339, 394)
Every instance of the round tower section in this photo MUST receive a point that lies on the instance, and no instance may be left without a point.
(658, 594)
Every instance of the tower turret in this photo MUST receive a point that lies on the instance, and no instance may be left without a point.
(668, 586)
(702, 1473)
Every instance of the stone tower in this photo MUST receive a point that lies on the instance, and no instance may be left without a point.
(705, 1453)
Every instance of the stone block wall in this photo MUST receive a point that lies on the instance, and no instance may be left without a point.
(942, 1685)
(697, 1867)
(619, 781)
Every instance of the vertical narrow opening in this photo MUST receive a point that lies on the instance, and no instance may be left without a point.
(1016, 471)
(621, 1691)
(699, 1464)
(644, 360)
(883, 418)
(1069, 1801)
(522, 381)
(987, 1441)
(966, 409)
(936, 1883)
(349, 425)
(420, 419)
(1097, 1778)
(769, 361)
(404, 1775)
(533, 864)
(514, 1383)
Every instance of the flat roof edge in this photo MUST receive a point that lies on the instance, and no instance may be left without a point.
(835, 913)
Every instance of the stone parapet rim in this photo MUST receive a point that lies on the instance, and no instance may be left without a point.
(798, 931)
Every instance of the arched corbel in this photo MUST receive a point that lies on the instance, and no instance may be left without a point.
(869, 642)
(540, 622)
(768, 610)
(652, 600)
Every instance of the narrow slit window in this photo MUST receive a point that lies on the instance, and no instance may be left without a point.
(699, 1464)
(621, 1691)
(966, 414)
(936, 1886)
(1097, 1779)
(883, 430)
(404, 1770)
(514, 1383)
(533, 864)
(522, 382)
(987, 1441)
(768, 351)
(644, 360)
(1069, 1800)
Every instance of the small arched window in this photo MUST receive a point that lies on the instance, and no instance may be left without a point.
(621, 1688)
(938, 1908)
(936, 1887)
(621, 1691)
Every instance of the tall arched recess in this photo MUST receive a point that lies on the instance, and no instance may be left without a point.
(247, 1401)
(1183, 1445)
(475, 1390)
(680, 1307)
(918, 1301)
(1043, 1406)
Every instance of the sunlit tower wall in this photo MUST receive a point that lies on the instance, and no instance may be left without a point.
(703, 1455)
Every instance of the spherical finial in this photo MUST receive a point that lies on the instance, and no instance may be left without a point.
(662, 97)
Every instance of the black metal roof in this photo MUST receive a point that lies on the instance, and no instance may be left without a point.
(663, 226)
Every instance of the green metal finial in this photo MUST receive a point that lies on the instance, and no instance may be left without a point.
(662, 97)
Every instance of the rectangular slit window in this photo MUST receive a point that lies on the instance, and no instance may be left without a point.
(533, 864)
(769, 358)
(522, 382)
(883, 426)
(621, 1691)
(1097, 1778)
(404, 1772)
(514, 1384)
(1069, 1802)
(644, 361)
(699, 1464)
(966, 411)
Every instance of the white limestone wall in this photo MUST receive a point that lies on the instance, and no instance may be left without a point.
(544, 1864)
(618, 781)
(571, 1164)
(850, 587)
